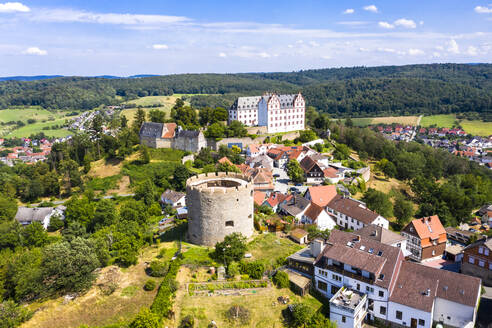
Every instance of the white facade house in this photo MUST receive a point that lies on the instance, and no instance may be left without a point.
(279, 113)
(400, 292)
(317, 215)
(27, 215)
(353, 214)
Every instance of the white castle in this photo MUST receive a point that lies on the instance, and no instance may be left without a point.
(279, 113)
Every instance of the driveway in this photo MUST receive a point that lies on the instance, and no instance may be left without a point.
(282, 182)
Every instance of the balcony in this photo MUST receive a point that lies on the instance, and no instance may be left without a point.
(340, 270)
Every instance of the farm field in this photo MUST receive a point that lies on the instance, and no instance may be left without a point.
(165, 104)
(404, 120)
(43, 117)
(475, 127)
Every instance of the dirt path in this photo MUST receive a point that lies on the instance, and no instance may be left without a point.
(418, 120)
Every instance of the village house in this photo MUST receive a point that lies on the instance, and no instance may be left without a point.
(275, 199)
(259, 197)
(391, 289)
(173, 198)
(260, 161)
(353, 214)
(299, 235)
(317, 172)
(426, 238)
(477, 260)
(295, 206)
(384, 236)
(321, 195)
(28, 215)
(316, 214)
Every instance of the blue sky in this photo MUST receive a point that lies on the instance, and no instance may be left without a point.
(166, 37)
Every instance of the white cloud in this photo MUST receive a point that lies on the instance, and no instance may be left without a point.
(421, 23)
(407, 23)
(453, 47)
(483, 10)
(364, 50)
(222, 54)
(12, 7)
(436, 54)
(352, 23)
(314, 43)
(415, 52)
(160, 46)
(290, 46)
(326, 57)
(386, 25)
(472, 51)
(35, 51)
(68, 15)
(371, 8)
(264, 55)
(348, 11)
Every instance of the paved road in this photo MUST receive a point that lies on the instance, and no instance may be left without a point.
(282, 182)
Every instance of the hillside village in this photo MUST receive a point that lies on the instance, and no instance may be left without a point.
(306, 190)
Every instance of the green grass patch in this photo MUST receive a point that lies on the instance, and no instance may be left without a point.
(197, 255)
(129, 291)
(269, 248)
(104, 184)
(154, 171)
(441, 121)
(166, 154)
(477, 128)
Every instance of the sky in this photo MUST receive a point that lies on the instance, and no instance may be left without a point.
(94, 37)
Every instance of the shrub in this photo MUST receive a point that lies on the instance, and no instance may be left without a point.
(158, 268)
(162, 302)
(281, 279)
(146, 319)
(187, 322)
(254, 269)
(233, 269)
(149, 285)
(238, 313)
(55, 223)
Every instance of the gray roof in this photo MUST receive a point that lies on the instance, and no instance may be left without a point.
(172, 195)
(380, 234)
(188, 134)
(26, 214)
(151, 129)
(295, 206)
(246, 103)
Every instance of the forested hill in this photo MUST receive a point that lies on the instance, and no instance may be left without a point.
(358, 91)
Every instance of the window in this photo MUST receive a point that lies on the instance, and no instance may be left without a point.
(471, 260)
(229, 223)
(334, 290)
(399, 315)
(422, 322)
(490, 266)
(481, 263)
(486, 251)
(322, 285)
(336, 278)
(369, 289)
(480, 250)
(381, 293)
(358, 286)
(382, 310)
(344, 319)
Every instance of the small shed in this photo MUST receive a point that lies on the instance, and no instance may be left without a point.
(299, 283)
(299, 235)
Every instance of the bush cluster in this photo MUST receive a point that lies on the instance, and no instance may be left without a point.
(162, 303)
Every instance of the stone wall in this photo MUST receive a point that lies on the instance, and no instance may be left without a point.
(214, 213)
(246, 141)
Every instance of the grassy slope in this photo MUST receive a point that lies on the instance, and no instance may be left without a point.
(43, 119)
(165, 104)
(447, 121)
(442, 121)
(404, 120)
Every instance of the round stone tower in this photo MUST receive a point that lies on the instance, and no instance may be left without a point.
(219, 204)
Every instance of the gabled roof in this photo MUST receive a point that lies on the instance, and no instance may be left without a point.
(415, 279)
(259, 197)
(225, 160)
(330, 172)
(353, 208)
(313, 211)
(298, 233)
(151, 130)
(380, 234)
(168, 130)
(27, 214)
(172, 196)
(276, 198)
(322, 195)
(307, 164)
(429, 228)
(295, 205)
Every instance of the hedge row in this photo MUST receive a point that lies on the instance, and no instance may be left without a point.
(163, 300)
(228, 285)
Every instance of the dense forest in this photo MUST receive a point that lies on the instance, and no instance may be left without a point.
(357, 91)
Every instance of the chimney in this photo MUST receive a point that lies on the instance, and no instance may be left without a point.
(317, 247)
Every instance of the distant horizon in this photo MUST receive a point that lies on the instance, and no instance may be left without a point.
(93, 38)
(141, 75)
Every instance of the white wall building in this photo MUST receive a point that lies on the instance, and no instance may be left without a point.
(401, 292)
(279, 113)
(353, 214)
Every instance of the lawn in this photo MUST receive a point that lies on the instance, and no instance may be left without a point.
(94, 308)
(37, 127)
(442, 121)
(477, 128)
(269, 247)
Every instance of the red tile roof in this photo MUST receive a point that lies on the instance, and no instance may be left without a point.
(259, 197)
(225, 160)
(168, 130)
(322, 195)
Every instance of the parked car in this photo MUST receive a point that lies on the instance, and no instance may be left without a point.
(276, 175)
(298, 184)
